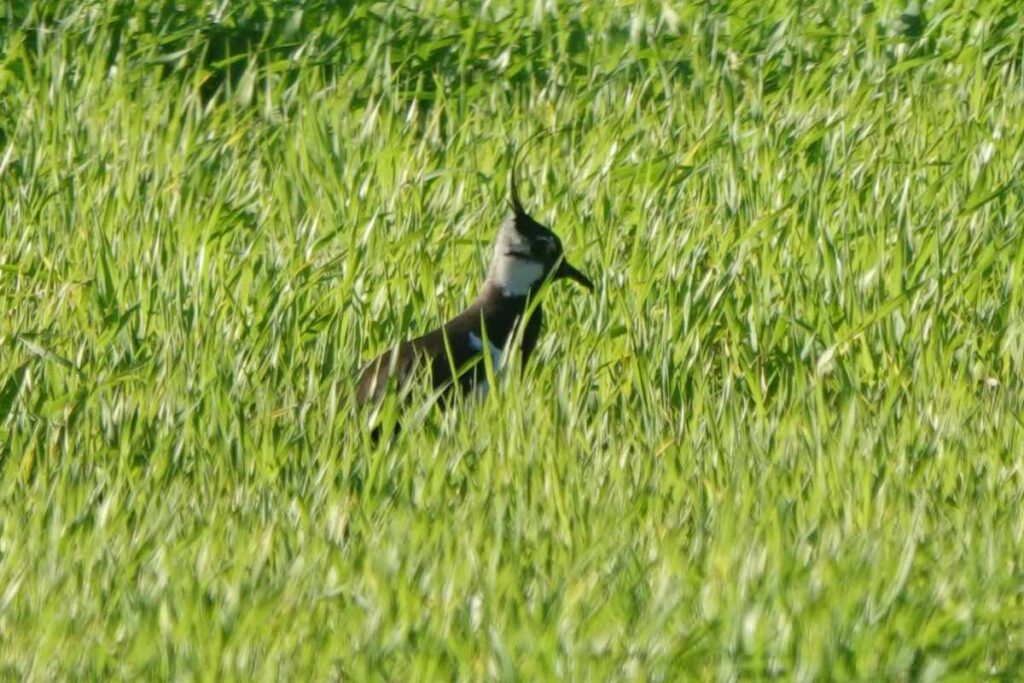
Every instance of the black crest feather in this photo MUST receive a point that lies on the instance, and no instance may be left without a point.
(516, 201)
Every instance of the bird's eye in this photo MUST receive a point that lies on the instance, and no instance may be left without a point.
(548, 246)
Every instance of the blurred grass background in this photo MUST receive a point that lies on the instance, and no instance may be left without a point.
(782, 440)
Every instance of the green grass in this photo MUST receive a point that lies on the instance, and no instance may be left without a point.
(783, 439)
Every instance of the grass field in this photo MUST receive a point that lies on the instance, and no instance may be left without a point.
(783, 438)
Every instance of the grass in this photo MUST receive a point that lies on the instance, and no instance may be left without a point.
(783, 439)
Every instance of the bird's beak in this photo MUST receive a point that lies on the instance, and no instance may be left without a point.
(565, 269)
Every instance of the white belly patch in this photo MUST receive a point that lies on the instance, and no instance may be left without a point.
(497, 358)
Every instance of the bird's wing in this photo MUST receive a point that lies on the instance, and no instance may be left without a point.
(389, 370)
(396, 369)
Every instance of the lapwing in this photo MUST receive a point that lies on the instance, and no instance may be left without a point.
(526, 255)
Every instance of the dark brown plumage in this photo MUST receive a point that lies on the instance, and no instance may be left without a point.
(491, 316)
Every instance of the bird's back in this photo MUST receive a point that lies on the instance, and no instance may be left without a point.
(450, 353)
(397, 368)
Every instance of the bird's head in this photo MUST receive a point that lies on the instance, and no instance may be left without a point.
(527, 253)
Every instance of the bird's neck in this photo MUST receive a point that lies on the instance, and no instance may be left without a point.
(502, 314)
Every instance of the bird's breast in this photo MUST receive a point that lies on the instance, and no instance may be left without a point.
(495, 352)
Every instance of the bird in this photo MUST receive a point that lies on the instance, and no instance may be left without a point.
(525, 256)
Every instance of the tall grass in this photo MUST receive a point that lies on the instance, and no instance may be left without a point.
(782, 439)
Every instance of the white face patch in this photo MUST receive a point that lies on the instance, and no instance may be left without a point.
(513, 275)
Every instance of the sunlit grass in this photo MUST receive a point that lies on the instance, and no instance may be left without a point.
(783, 438)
